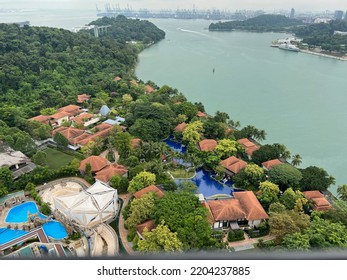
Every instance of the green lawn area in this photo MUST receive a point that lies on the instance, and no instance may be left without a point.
(56, 158)
(182, 173)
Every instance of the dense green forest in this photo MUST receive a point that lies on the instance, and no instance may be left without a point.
(262, 23)
(138, 30)
(47, 67)
(322, 34)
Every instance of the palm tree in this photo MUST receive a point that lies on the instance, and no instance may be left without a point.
(296, 160)
(342, 192)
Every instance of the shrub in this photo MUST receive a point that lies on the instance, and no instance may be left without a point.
(236, 235)
(131, 235)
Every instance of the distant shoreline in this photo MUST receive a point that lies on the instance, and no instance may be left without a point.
(343, 58)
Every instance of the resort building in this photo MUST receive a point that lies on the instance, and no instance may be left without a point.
(96, 163)
(85, 119)
(151, 188)
(70, 133)
(233, 165)
(73, 110)
(104, 110)
(200, 114)
(180, 127)
(57, 119)
(16, 161)
(244, 210)
(207, 145)
(320, 203)
(249, 146)
(105, 174)
(81, 98)
(267, 165)
(90, 207)
(41, 118)
(149, 89)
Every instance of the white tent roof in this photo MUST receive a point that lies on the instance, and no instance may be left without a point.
(89, 207)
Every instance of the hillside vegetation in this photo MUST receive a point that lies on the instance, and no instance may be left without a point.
(262, 23)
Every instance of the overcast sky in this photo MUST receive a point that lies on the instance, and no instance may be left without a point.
(303, 5)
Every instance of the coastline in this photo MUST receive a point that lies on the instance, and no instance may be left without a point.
(343, 58)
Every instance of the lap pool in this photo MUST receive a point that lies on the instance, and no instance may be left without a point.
(19, 213)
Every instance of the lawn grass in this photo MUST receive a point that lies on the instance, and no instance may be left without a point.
(182, 174)
(56, 158)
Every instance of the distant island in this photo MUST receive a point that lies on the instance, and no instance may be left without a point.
(325, 39)
(262, 23)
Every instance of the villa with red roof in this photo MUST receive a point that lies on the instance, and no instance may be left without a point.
(41, 118)
(73, 110)
(180, 127)
(207, 145)
(267, 165)
(81, 98)
(249, 146)
(200, 114)
(109, 171)
(96, 163)
(233, 165)
(151, 188)
(320, 203)
(149, 89)
(70, 133)
(242, 210)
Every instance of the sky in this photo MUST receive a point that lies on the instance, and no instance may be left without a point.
(232, 5)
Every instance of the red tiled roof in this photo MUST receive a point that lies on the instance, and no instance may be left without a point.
(149, 225)
(233, 164)
(181, 127)
(200, 114)
(134, 82)
(103, 126)
(271, 163)
(96, 163)
(151, 188)
(249, 146)
(60, 115)
(135, 143)
(92, 137)
(82, 98)
(109, 171)
(149, 89)
(41, 119)
(207, 145)
(78, 139)
(117, 78)
(226, 210)
(251, 205)
(72, 109)
(245, 205)
(318, 199)
(70, 133)
(82, 117)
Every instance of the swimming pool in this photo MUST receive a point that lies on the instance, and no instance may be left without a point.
(19, 213)
(177, 147)
(54, 230)
(208, 186)
(7, 235)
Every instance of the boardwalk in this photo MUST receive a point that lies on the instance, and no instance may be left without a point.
(122, 231)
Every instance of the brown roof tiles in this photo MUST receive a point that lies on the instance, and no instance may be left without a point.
(151, 188)
(233, 164)
(109, 171)
(149, 225)
(271, 163)
(207, 145)
(181, 127)
(249, 146)
(97, 163)
(320, 203)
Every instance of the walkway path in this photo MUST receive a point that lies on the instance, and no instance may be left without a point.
(115, 154)
(123, 233)
(248, 243)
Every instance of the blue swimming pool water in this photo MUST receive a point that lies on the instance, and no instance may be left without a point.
(19, 213)
(7, 235)
(54, 230)
(208, 186)
(177, 147)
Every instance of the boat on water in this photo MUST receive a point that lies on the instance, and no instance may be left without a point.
(289, 47)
